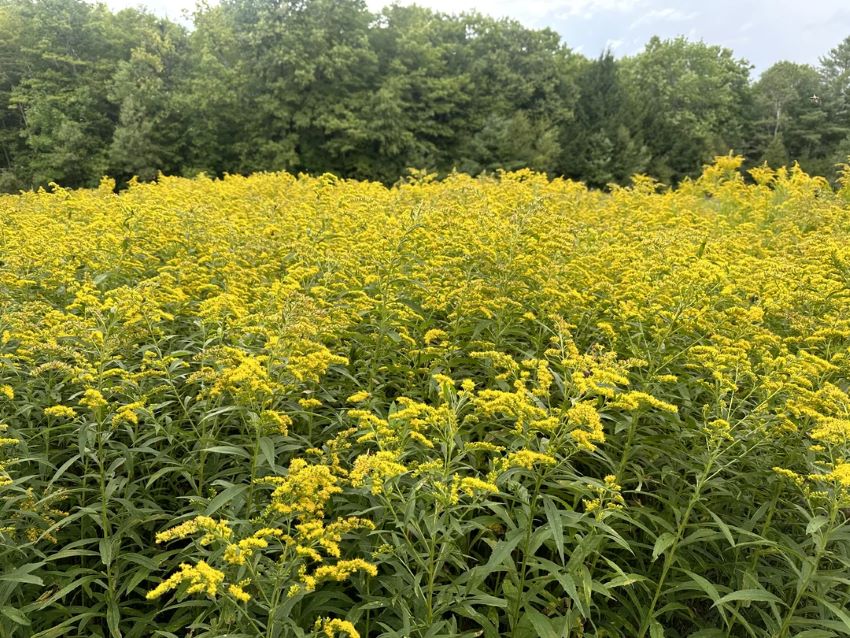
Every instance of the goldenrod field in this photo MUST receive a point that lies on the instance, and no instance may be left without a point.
(284, 407)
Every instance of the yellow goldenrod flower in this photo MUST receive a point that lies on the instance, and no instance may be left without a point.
(358, 397)
(60, 412)
(238, 593)
(377, 468)
(93, 399)
(334, 627)
(201, 578)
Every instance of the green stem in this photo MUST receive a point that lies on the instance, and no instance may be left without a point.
(255, 453)
(514, 619)
(803, 588)
(432, 570)
(104, 507)
(670, 554)
(627, 448)
(757, 553)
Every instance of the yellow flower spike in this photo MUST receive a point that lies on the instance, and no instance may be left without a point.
(336, 628)
(377, 468)
(304, 491)
(128, 414)
(276, 422)
(93, 399)
(587, 426)
(526, 459)
(343, 570)
(211, 528)
(60, 412)
(840, 474)
(434, 334)
(472, 486)
(201, 579)
(358, 397)
(443, 380)
(238, 593)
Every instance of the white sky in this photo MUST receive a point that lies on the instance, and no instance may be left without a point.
(762, 31)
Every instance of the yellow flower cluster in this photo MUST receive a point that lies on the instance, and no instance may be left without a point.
(212, 530)
(201, 578)
(60, 412)
(334, 627)
(634, 400)
(276, 422)
(305, 491)
(5, 441)
(327, 338)
(358, 397)
(376, 468)
(93, 399)
(471, 486)
(608, 497)
(526, 459)
(587, 425)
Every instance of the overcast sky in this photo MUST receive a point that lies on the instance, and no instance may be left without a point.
(762, 31)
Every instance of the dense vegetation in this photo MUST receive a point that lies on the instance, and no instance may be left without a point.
(326, 86)
(278, 406)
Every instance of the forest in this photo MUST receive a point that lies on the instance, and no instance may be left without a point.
(326, 86)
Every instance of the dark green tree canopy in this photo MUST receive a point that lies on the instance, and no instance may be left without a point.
(329, 86)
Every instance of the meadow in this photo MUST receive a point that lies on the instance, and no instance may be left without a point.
(278, 406)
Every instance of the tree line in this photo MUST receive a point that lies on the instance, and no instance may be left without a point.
(328, 86)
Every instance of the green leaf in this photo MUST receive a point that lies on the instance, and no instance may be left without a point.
(22, 575)
(662, 543)
(556, 524)
(224, 497)
(704, 585)
(542, 625)
(503, 550)
(840, 613)
(113, 619)
(267, 449)
(228, 450)
(656, 630)
(624, 580)
(15, 615)
(749, 595)
(724, 528)
(815, 524)
(105, 546)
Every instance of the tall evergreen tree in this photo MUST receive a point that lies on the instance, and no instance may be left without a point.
(601, 145)
(149, 137)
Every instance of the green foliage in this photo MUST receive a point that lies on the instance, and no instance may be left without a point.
(692, 99)
(148, 137)
(603, 145)
(790, 121)
(328, 86)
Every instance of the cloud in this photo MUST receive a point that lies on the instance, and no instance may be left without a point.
(667, 14)
(588, 8)
(532, 11)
